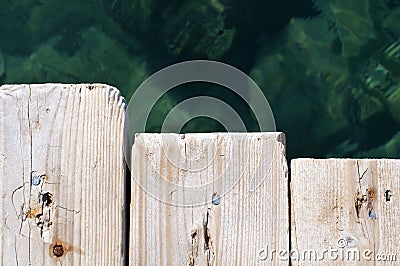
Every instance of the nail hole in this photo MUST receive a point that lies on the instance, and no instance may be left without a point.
(216, 199)
(47, 199)
(388, 194)
(58, 250)
(47, 110)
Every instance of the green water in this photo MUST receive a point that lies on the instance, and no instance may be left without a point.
(330, 69)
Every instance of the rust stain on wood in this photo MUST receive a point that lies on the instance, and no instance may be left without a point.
(33, 212)
(60, 248)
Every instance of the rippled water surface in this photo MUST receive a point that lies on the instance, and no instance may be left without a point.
(330, 69)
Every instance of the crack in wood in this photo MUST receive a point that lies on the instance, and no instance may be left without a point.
(208, 247)
(361, 198)
(195, 246)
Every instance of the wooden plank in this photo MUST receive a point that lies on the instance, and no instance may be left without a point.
(208, 199)
(61, 174)
(347, 205)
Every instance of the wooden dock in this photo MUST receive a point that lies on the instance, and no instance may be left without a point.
(190, 199)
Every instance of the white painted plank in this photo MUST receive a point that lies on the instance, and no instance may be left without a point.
(249, 173)
(61, 174)
(324, 195)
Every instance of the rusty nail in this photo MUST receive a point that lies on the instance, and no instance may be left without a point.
(58, 250)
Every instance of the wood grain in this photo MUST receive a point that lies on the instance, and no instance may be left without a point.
(61, 174)
(334, 204)
(174, 178)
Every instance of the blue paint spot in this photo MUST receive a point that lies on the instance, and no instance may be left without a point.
(372, 214)
(35, 180)
(216, 199)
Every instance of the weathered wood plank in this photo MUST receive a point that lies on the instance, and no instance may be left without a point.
(174, 178)
(347, 208)
(61, 174)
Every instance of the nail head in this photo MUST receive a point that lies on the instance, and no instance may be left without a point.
(372, 214)
(35, 180)
(58, 250)
(216, 199)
